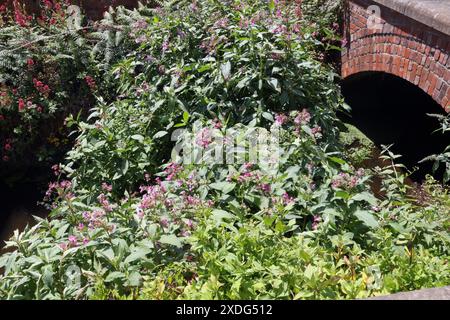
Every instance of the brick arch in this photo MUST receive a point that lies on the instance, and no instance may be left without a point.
(400, 46)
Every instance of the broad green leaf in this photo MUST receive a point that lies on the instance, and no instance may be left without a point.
(367, 218)
(172, 240)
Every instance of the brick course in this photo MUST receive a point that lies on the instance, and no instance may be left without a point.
(401, 46)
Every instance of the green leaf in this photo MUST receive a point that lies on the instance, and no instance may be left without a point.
(271, 5)
(219, 215)
(160, 134)
(134, 279)
(125, 166)
(226, 70)
(367, 218)
(225, 187)
(113, 276)
(337, 160)
(185, 117)
(137, 254)
(273, 82)
(366, 196)
(268, 116)
(137, 137)
(172, 240)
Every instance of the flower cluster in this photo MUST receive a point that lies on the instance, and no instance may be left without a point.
(204, 138)
(303, 118)
(90, 82)
(20, 17)
(43, 88)
(346, 180)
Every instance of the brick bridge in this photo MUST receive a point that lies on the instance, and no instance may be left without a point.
(407, 38)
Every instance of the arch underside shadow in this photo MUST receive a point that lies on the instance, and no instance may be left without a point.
(391, 110)
(421, 76)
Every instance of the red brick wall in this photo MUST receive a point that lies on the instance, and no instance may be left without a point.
(93, 8)
(402, 46)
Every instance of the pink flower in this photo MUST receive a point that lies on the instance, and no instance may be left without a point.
(265, 187)
(194, 6)
(317, 132)
(316, 222)
(73, 241)
(217, 124)
(204, 138)
(105, 203)
(90, 82)
(360, 173)
(56, 169)
(21, 104)
(280, 119)
(185, 233)
(164, 222)
(287, 199)
(221, 23)
(165, 45)
(106, 187)
(376, 208)
(303, 117)
(65, 184)
(189, 223)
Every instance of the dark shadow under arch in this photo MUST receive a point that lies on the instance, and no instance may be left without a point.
(391, 110)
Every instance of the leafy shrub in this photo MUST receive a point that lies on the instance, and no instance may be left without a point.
(443, 158)
(234, 231)
(137, 222)
(233, 65)
(44, 65)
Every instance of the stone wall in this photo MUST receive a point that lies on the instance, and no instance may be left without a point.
(387, 40)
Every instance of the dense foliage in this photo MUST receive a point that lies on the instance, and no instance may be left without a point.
(44, 72)
(131, 219)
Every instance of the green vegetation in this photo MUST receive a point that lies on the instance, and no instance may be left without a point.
(131, 220)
